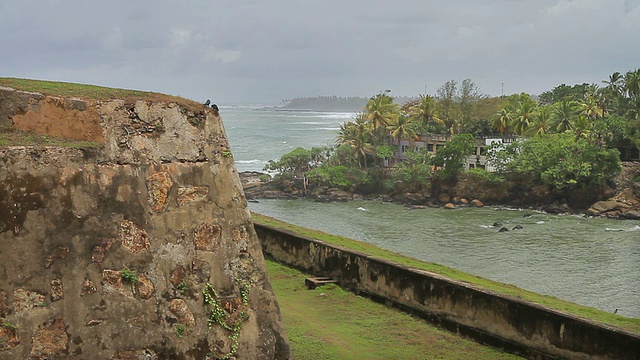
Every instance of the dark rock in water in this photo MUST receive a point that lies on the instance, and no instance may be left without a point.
(557, 208)
(497, 224)
(527, 215)
(253, 201)
(517, 227)
(503, 229)
(632, 215)
(602, 207)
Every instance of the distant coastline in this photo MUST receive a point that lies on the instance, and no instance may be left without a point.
(326, 103)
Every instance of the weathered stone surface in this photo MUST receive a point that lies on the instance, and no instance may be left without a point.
(50, 340)
(133, 237)
(449, 206)
(59, 253)
(201, 269)
(191, 194)
(158, 186)
(207, 237)
(234, 309)
(112, 281)
(24, 300)
(177, 275)
(88, 288)
(57, 292)
(100, 250)
(78, 215)
(54, 116)
(477, 203)
(8, 336)
(182, 312)
(4, 304)
(145, 354)
(145, 287)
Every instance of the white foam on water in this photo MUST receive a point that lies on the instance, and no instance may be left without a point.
(254, 161)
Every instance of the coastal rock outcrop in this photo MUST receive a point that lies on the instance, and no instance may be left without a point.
(116, 248)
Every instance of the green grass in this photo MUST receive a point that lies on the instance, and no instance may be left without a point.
(331, 323)
(630, 324)
(92, 92)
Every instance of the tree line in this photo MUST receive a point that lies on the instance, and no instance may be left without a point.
(571, 133)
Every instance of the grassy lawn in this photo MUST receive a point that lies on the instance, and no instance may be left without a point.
(630, 324)
(93, 92)
(331, 323)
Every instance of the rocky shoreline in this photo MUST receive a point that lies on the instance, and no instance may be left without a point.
(621, 202)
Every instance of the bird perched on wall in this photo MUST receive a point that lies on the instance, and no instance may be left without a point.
(615, 311)
(206, 103)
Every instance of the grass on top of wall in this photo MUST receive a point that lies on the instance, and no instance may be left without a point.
(551, 302)
(92, 92)
(332, 323)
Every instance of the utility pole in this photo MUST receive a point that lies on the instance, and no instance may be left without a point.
(502, 88)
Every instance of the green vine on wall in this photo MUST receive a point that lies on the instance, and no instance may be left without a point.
(219, 316)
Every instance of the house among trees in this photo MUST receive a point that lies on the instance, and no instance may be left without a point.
(431, 143)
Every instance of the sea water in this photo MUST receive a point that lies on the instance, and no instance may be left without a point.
(590, 261)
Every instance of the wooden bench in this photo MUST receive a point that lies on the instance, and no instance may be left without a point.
(314, 282)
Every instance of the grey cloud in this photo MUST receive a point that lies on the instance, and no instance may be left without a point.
(242, 50)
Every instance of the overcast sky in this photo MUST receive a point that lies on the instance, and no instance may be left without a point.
(264, 51)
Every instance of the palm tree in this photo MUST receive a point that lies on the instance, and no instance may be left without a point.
(400, 128)
(502, 122)
(583, 126)
(590, 108)
(357, 135)
(564, 115)
(524, 113)
(632, 83)
(380, 110)
(615, 82)
(423, 113)
(541, 122)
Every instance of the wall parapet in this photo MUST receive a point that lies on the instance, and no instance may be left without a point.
(514, 324)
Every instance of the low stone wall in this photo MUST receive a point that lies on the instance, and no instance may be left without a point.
(516, 325)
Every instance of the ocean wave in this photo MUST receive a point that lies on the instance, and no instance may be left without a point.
(336, 115)
(254, 161)
(635, 228)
